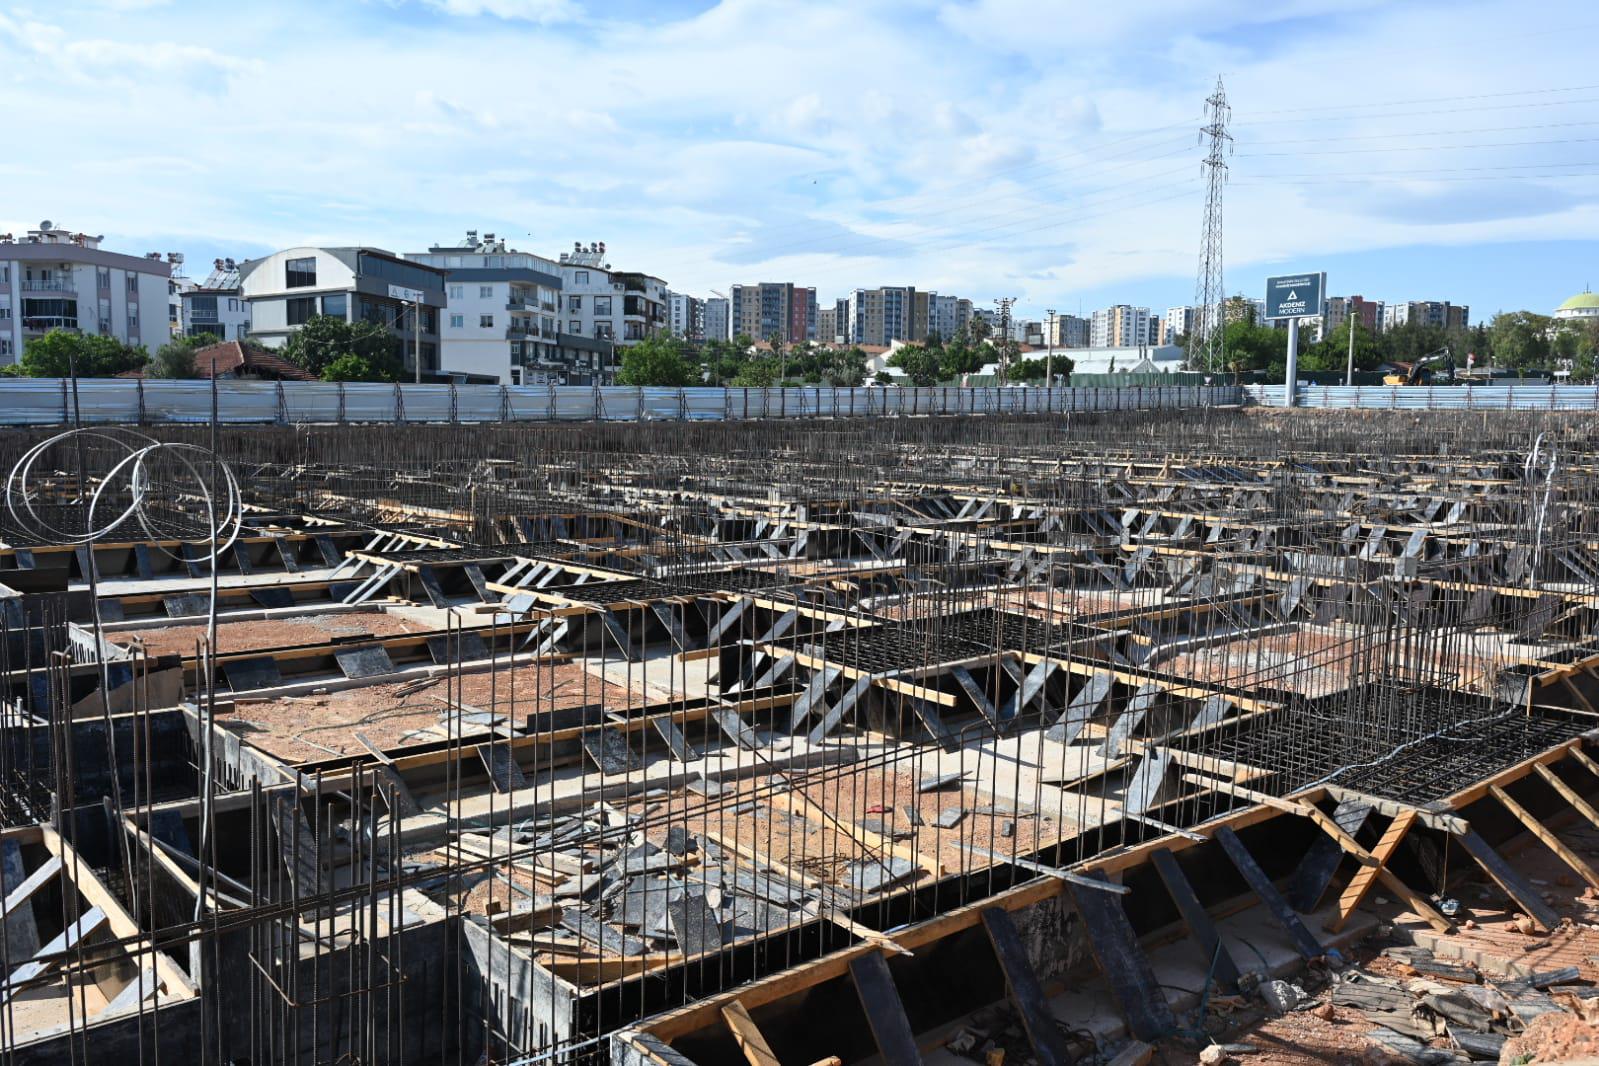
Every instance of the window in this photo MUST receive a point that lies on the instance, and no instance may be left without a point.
(233, 304)
(5, 346)
(102, 279)
(485, 321)
(602, 330)
(299, 273)
(133, 284)
(485, 292)
(580, 278)
(204, 303)
(574, 303)
(457, 292)
(575, 328)
(5, 274)
(300, 309)
(5, 314)
(457, 321)
(602, 305)
(335, 305)
(133, 314)
(516, 375)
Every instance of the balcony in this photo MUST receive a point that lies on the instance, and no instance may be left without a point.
(44, 324)
(516, 333)
(58, 285)
(202, 316)
(518, 303)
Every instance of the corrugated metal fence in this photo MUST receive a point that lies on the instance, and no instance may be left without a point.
(1435, 397)
(49, 401)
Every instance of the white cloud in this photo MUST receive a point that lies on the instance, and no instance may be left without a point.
(541, 11)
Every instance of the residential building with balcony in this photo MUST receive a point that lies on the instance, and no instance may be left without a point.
(53, 278)
(947, 314)
(685, 316)
(1068, 331)
(1122, 326)
(503, 318)
(1426, 313)
(286, 289)
(1369, 313)
(774, 308)
(619, 306)
(216, 305)
(882, 316)
(718, 319)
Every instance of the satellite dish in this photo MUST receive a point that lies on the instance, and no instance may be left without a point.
(46, 224)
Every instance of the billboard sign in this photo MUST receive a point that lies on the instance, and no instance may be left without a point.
(1295, 295)
(400, 292)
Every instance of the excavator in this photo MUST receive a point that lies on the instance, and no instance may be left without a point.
(1417, 372)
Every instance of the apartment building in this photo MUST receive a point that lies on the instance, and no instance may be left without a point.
(718, 319)
(882, 316)
(54, 278)
(827, 325)
(1067, 331)
(216, 305)
(502, 322)
(947, 314)
(605, 304)
(1369, 313)
(1426, 313)
(1123, 326)
(685, 316)
(774, 308)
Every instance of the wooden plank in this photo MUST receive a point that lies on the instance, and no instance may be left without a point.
(1122, 960)
(1196, 918)
(748, 1036)
(53, 952)
(1302, 939)
(974, 692)
(1366, 876)
(1026, 992)
(1370, 861)
(1569, 794)
(1546, 837)
(885, 1014)
(1508, 879)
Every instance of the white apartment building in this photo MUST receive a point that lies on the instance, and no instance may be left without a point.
(216, 305)
(178, 284)
(947, 314)
(1178, 322)
(286, 289)
(881, 316)
(685, 316)
(718, 319)
(619, 306)
(1122, 326)
(502, 320)
(1427, 313)
(54, 278)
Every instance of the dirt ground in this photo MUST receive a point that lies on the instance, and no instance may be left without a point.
(268, 633)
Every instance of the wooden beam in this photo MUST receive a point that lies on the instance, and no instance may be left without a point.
(1547, 837)
(1570, 795)
(748, 1035)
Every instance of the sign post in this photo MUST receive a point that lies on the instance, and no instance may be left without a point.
(1294, 296)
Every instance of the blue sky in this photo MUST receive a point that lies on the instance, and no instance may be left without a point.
(1043, 150)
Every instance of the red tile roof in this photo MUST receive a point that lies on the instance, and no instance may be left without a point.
(232, 357)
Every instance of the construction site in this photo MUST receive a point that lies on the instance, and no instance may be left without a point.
(1103, 737)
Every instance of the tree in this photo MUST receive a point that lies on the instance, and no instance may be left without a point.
(174, 360)
(352, 367)
(59, 352)
(324, 339)
(962, 355)
(657, 360)
(757, 374)
(922, 365)
(1331, 353)
(1519, 338)
(1028, 370)
(846, 367)
(1252, 347)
